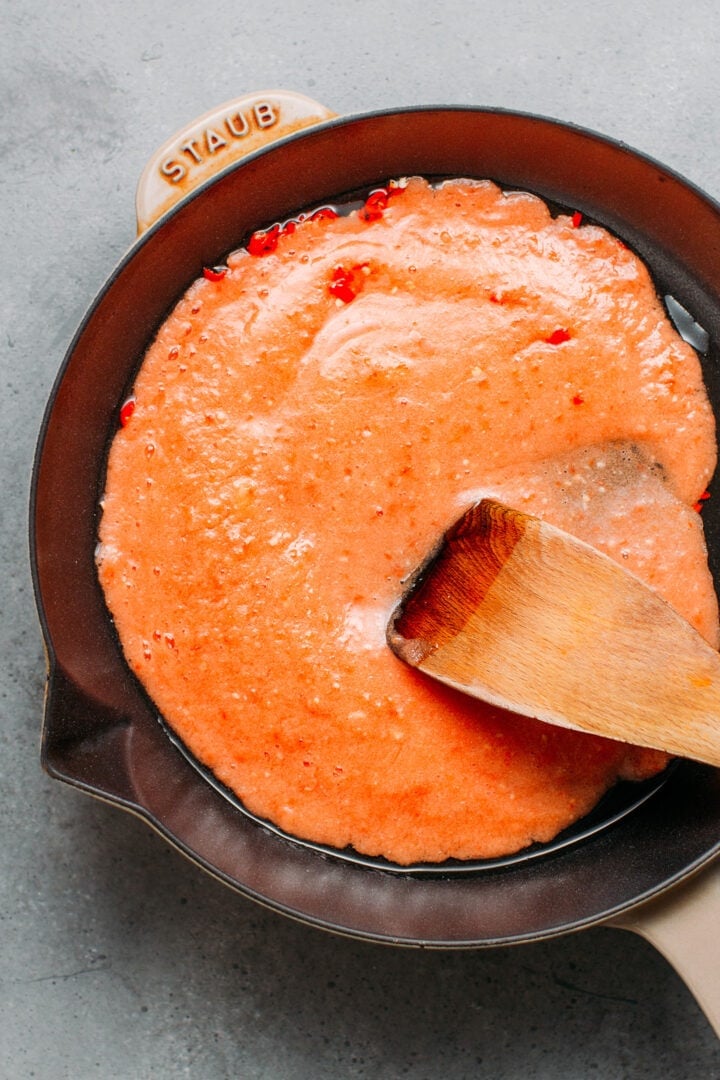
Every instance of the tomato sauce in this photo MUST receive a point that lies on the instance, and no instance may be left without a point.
(310, 419)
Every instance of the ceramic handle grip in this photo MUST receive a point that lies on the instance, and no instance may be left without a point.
(216, 140)
(684, 925)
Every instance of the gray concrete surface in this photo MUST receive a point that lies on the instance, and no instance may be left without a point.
(117, 957)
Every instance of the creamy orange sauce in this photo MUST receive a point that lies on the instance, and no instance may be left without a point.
(296, 449)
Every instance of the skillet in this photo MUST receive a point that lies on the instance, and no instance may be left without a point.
(644, 859)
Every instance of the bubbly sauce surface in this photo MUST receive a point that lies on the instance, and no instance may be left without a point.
(304, 428)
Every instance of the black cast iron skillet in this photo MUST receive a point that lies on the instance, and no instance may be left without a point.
(101, 733)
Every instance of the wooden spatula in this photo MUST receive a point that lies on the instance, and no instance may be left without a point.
(525, 616)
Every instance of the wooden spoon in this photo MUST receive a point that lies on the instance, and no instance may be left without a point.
(521, 614)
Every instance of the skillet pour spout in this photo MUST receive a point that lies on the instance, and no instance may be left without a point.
(100, 731)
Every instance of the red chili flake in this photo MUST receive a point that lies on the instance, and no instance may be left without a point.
(576, 219)
(558, 336)
(324, 213)
(578, 399)
(289, 228)
(341, 284)
(495, 299)
(374, 206)
(126, 411)
(703, 498)
(214, 273)
(264, 242)
(377, 201)
(344, 284)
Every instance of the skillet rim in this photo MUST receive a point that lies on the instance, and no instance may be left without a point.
(50, 760)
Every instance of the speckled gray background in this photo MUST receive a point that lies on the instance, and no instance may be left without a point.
(117, 957)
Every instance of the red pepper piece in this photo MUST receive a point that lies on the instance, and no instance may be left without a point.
(214, 273)
(126, 411)
(324, 213)
(576, 219)
(558, 336)
(578, 399)
(264, 242)
(703, 498)
(376, 202)
(341, 284)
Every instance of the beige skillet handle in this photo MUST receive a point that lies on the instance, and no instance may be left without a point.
(217, 139)
(684, 925)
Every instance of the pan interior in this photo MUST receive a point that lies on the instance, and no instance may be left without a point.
(624, 797)
(101, 733)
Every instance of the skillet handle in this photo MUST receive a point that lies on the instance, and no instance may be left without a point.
(683, 925)
(212, 142)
